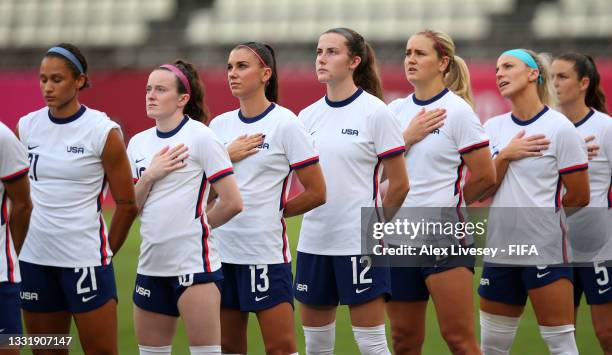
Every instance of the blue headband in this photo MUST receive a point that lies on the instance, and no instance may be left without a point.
(527, 59)
(68, 55)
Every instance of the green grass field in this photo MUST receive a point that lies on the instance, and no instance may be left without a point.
(528, 340)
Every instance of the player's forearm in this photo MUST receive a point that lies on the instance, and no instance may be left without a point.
(477, 186)
(142, 189)
(304, 202)
(501, 163)
(223, 211)
(574, 200)
(394, 198)
(19, 222)
(125, 213)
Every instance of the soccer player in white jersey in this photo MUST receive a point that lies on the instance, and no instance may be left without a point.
(174, 165)
(536, 150)
(15, 210)
(356, 136)
(75, 152)
(580, 98)
(440, 150)
(254, 245)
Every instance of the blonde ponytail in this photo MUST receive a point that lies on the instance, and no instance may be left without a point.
(456, 76)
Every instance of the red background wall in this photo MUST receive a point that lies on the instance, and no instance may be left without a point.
(120, 93)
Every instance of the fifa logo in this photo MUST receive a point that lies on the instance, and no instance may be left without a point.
(350, 132)
(75, 150)
(435, 131)
(264, 146)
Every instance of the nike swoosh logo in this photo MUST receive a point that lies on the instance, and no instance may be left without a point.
(139, 160)
(2, 330)
(539, 276)
(33, 147)
(87, 299)
(312, 133)
(601, 292)
(257, 299)
(360, 291)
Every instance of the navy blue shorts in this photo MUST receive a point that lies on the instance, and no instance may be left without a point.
(10, 309)
(53, 289)
(160, 294)
(252, 288)
(408, 283)
(509, 284)
(594, 281)
(329, 280)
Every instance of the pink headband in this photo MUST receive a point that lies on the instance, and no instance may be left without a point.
(179, 74)
(257, 55)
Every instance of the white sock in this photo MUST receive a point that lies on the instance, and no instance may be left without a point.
(155, 350)
(560, 339)
(320, 340)
(205, 350)
(497, 333)
(371, 340)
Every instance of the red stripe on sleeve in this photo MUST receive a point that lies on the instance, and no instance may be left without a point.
(574, 168)
(304, 163)
(220, 174)
(15, 174)
(473, 147)
(391, 152)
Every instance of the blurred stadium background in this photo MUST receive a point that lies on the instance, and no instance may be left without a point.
(124, 39)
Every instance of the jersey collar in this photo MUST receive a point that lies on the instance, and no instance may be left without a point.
(585, 118)
(68, 119)
(429, 101)
(531, 120)
(245, 119)
(169, 134)
(345, 101)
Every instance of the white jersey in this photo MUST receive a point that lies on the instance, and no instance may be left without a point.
(68, 186)
(534, 184)
(13, 165)
(176, 238)
(599, 124)
(258, 234)
(352, 136)
(435, 167)
(591, 228)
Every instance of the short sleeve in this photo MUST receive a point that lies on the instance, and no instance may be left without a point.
(130, 154)
(214, 158)
(298, 145)
(467, 131)
(103, 128)
(491, 133)
(570, 150)
(395, 106)
(13, 156)
(606, 142)
(304, 119)
(386, 134)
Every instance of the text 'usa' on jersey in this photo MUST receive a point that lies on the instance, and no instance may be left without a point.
(176, 237)
(353, 137)
(68, 185)
(264, 179)
(435, 165)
